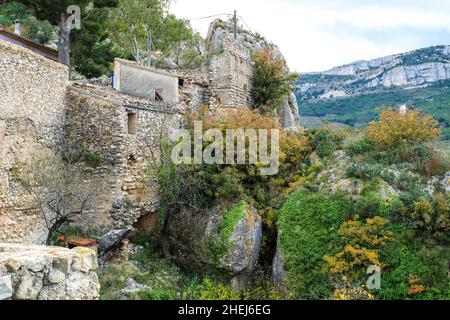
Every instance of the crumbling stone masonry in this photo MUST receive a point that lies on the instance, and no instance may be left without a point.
(231, 74)
(125, 132)
(32, 116)
(47, 273)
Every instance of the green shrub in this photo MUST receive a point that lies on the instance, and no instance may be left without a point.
(364, 171)
(432, 216)
(75, 154)
(395, 210)
(436, 275)
(361, 147)
(401, 262)
(93, 160)
(324, 142)
(271, 84)
(209, 289)
(154, 295)
(369, 205)
(308, 225)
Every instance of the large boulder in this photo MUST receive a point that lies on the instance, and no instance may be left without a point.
(222, 239)
(47, 273)
(244, 243)
(112, 240)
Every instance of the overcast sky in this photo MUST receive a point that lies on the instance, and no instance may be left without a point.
(315, 35)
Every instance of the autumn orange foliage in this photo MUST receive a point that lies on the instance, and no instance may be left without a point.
(414, 285)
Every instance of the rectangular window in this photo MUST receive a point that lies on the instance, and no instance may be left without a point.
(132, 123)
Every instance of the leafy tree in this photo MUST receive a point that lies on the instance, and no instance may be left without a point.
(396, 130)
(143, 27)
(55, 12)
(271, 83)
(189, 53)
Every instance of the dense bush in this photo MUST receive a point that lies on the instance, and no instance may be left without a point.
(306, 225)
(364, 171)
(203, 186)
(361, 243)
(432, 216)
(396, 130)
(325, 142)
(271, 82)
(360, 147)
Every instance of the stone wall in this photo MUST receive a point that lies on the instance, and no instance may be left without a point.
(231, 73)
(32, 116)
(194, 89)
(101, 125)
(47, 273)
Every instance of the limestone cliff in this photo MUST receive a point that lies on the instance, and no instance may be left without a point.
(412, 69)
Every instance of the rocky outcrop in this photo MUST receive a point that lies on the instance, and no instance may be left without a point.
(111, 240)
(289, 114)
(439, 183)
(415, 75)
(47, 273)
(244, 244)
(227, 240)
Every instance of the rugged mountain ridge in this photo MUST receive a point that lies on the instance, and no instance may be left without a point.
(354, 94)
(420, 67)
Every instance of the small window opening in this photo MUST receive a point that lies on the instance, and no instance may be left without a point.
(159, 94)
(180, 82)
(132, 123)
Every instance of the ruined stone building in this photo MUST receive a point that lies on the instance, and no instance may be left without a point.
(41, 110)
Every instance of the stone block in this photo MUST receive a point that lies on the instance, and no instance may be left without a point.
(6, 290)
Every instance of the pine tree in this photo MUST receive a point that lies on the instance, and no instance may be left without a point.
(56, 13)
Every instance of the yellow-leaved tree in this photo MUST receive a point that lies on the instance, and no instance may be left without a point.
(395, 129)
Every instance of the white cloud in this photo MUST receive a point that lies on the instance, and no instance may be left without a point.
(307, 32)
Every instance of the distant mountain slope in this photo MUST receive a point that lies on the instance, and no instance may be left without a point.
(353, 93)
